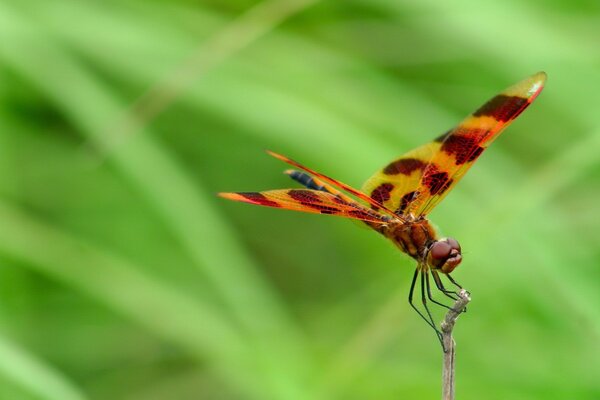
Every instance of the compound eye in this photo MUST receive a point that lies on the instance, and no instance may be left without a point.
(453, 243)
(440, 250)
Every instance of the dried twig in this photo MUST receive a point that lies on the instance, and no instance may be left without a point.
(449, 344)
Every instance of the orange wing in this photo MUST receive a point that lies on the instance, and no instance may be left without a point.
(416, 182)
(370, 200)
(310, 201)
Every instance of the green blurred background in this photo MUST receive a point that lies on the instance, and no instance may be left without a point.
(122, 276)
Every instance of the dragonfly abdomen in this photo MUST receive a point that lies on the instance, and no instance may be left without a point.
(306, 180)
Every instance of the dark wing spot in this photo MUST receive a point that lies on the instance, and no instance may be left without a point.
(464, 148)
(362, 214)
(312, 200)
(381, 193)
(259, 198)
(303, 195)
(404, 166)
(339, 200)
(326, 210)
(502, 107)
(405, 201)
(436, 181)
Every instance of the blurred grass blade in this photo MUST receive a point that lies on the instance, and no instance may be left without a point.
(35, 377)
(226, 42)
(344, 87)
(310, 107)
(186, 209)
(532, 30)
(545, 183)
(120, 285)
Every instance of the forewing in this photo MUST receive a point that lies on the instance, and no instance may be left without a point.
(461, 146)
(394, 186)
(417, 181)
(310, 201)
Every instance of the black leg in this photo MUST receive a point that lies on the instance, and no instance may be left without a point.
(443, 288)
(429, 293)
(410, 298)
(440, 286)
(453, 281)
(429, 320)
(424, 301)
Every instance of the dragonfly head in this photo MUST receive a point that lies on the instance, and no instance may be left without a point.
(444, 255)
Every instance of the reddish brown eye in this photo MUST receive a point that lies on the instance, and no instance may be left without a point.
(440, 250)
(453, 243)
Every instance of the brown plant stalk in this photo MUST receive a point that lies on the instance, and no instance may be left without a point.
(449, 344)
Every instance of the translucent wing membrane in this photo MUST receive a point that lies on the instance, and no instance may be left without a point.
(416, 182)
(461, 146)
(395, 185)
(310, 201)
(349, 189)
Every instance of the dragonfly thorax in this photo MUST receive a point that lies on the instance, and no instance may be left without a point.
(419, 240)
(412, 237)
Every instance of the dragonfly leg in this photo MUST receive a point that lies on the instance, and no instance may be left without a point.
(427, 282)
(453, 281)
(410, 298)
(438, 282)
(440, 286)
(424, 301)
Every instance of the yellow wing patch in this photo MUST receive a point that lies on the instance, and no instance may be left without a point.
(395, 184)
(416, 182)
(464, 144)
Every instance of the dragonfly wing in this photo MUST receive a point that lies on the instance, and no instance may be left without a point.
(394, 186)
(310, 201)
(349, 189)
(417, 181)
(461, 146)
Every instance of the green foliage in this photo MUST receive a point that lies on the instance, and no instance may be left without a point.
(122, 276)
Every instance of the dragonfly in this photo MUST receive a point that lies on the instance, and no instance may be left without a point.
(396, 200)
